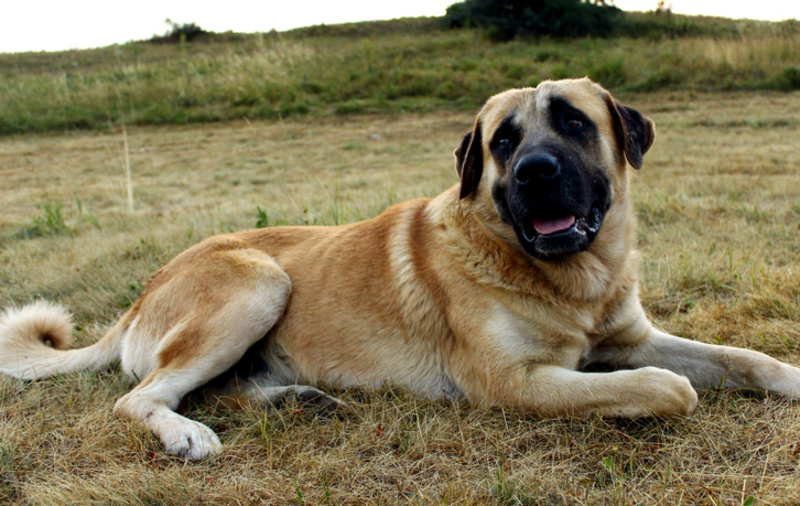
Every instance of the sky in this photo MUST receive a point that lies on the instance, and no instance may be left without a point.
(47, 25)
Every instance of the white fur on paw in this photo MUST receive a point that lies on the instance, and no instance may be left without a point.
(189, 439)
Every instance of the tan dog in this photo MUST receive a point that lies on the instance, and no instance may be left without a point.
(501, 291)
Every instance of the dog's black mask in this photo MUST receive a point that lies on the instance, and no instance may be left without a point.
(552, 195)
(553, 201)
(555, 193)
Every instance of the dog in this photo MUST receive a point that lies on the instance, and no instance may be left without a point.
(503, 291)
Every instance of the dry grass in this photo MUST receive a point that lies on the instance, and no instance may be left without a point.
(719, 220)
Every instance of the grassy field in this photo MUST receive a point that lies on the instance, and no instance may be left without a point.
(719, 222)
(411, 65)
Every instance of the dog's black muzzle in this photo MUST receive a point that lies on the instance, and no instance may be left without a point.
(553, 200)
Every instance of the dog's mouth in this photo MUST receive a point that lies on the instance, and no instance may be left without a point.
(563, 226)
(561, 235)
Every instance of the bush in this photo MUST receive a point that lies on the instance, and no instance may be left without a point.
(506, 19)
(186, 32)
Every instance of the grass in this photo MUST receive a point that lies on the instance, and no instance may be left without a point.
(718, 228)
(411, 65)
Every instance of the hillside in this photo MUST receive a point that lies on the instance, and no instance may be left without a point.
(378, 67)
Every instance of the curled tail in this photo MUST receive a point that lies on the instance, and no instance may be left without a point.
(34, 341)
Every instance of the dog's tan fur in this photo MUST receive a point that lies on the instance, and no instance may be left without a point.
(435, 295)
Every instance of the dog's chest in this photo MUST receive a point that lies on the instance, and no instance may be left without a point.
(539, 333)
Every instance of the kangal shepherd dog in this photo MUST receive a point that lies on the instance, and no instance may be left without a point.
(502, 291)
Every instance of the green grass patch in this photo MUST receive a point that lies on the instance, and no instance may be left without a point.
(408, 65)
(50, 222)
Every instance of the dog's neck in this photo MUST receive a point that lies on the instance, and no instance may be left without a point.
(592, 276)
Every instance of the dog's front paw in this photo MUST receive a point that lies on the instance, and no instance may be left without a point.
(670, 394)
(786, 382)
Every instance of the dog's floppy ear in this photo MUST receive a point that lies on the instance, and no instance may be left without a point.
(469, 160)
(635, 132)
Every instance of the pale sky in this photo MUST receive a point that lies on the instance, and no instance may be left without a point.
(46, 25)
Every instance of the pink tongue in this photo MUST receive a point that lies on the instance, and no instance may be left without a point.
(545, 227)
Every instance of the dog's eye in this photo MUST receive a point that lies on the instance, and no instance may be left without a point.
(506, 139)
(574, 124)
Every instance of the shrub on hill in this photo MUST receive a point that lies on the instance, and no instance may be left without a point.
(185, 32)
(506, 19)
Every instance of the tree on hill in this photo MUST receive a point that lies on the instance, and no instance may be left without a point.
(506, 19)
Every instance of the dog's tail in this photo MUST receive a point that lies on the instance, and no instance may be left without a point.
(34, 341)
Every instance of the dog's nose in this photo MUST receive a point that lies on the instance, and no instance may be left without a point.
(538, 166)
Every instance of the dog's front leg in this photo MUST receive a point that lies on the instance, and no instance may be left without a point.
(648, 391)
(554, 392)
(706, 365)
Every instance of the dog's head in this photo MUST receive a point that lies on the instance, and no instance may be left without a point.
(548, 162)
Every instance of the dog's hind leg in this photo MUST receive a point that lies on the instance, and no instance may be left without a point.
(209, 311)
(264, 392)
